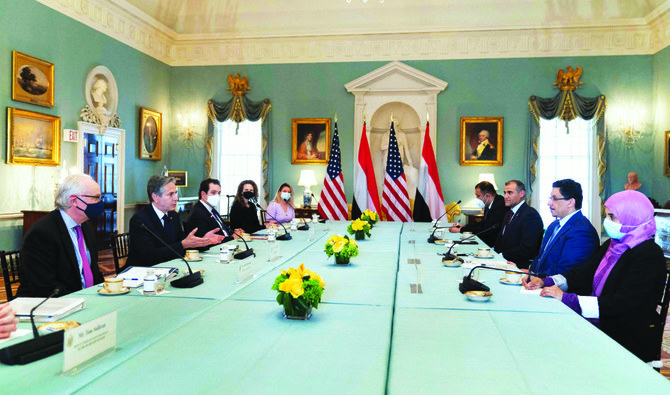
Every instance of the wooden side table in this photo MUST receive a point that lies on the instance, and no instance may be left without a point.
(302, 212)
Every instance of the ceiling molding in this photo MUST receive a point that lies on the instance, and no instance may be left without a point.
(147, 35)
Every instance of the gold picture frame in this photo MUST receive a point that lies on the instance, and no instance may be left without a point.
(666, 158)
(32, 80)
(477, 152)
(319, 129)
(150, 134)
(181, 177)
(32, 138)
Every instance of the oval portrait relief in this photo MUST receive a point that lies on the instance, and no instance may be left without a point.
(101, 91)
(32, 80)
(150, 130)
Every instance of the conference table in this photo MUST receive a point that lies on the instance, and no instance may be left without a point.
(393, 321)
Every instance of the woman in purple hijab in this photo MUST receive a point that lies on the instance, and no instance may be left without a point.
(619, 288)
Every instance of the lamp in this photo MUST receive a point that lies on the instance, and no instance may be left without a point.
(307, 179)
(630, 131)
(187, 126)
(488, 177)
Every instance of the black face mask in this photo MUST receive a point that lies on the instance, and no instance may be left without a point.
(248, 194)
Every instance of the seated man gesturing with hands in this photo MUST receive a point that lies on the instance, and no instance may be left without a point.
(618, 289)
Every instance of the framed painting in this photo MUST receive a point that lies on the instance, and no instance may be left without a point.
(181, 177)
(311, 141)
(151, 134)
(32, 80)
(32, 138)
(481, 141)
(666, 158)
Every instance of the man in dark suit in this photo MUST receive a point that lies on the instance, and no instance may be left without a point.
(159, 218)
(59, 251)
(520, 238)
(494, 212)
(571, 239)
(204, 215)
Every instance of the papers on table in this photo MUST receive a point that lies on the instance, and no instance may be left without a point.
(530, 291)
(134, 276)
(52, 310)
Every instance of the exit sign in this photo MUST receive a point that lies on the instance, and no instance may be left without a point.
(71, 135)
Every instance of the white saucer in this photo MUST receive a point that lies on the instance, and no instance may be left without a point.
(454, 263)
(484, 257)
(504, 280)
(104, 292)
(194, 260)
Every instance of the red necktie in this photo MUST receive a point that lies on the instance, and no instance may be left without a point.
(509, 218)
(86, 265)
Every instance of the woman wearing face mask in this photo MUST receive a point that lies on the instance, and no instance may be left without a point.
(281, 209)
(619, 287)
(243, 213)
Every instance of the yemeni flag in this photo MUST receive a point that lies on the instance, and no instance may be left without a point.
(428, 202)
(366, 196)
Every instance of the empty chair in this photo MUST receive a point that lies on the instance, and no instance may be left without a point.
(120, 250)
(10, 270)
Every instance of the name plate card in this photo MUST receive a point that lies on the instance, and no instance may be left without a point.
(88, 341)
(245, 270)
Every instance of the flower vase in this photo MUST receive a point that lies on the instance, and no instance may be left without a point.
(359, 236)
(340, 260)
(299, 311)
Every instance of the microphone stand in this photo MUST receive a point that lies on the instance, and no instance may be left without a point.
(304, 225)
(449, 256)
(38, 347)
(432, 238)
(191, 279)
(286, 235)
(470, 284)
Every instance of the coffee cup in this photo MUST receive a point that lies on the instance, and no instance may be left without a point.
(513, 277)
(483, 252)
(474, 275)
(438, 234)
(192, 255)
(466, 235)
(113, 285)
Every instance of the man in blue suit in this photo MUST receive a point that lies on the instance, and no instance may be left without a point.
(158, 224)
(520, 237)
(571, 239)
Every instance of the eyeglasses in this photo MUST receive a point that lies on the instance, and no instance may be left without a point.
(94, 197)
(553, 199)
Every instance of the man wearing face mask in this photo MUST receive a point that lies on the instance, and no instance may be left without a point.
(59, 251)
(494, 212)
(204, 215)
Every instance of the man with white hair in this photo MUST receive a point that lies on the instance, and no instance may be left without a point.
(59, 251)
(484, 150)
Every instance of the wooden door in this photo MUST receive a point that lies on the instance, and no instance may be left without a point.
(100, 162)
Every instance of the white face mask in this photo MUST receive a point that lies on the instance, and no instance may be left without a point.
(286, 195)
(480, 204)
(213, 200)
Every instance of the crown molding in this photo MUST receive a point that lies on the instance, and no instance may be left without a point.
(129, 25)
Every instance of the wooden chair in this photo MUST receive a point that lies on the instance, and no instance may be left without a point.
(120, 244)
(10, 270)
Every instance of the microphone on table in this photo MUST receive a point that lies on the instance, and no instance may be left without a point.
(470, 284)
(449, 256)
(304, 225)
(188, 281)
(38, 347)
(286, 235)
(432, 238)
(322, 220)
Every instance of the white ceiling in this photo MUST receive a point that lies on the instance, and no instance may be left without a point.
(194, 19)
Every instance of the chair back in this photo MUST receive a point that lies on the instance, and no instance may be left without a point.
(120, 245)
(452, 209)
(10, 261)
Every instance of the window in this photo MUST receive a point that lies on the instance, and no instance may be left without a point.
(564, 153)
(237, 155)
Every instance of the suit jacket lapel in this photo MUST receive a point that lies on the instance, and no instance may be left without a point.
(66, 240)
(156, 223)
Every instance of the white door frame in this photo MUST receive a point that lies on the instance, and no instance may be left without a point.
(120, 134)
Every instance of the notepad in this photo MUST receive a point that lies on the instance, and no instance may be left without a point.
(52, 310)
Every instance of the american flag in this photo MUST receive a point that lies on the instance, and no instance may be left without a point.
(333, 203)
(395, 201)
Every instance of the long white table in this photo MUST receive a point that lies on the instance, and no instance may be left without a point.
(369, 335)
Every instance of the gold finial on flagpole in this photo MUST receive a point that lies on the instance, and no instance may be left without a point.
(363, 117)
(335, 117)
(427, 116)
(391, 119)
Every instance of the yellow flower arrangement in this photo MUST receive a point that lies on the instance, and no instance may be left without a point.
(359, 228)
(299, 290)
(342, 247)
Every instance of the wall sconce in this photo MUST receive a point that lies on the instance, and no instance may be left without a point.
(630, 128)
(186, 127)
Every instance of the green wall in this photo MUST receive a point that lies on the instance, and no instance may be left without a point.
(477, 87)
(29, 27)
(481, 87)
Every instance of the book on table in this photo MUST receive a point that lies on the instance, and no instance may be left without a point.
(52, 310)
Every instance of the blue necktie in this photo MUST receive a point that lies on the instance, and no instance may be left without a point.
(551, 239)
(166, 226)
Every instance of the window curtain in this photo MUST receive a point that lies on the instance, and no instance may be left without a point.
(239, 109)
(568, 105)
